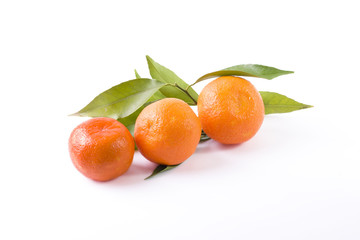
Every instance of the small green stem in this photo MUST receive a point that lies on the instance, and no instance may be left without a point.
(186, 92)
(204, 137)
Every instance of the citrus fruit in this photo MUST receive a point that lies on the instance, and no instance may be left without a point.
(230, 110)
(101, 148)
(167, 131)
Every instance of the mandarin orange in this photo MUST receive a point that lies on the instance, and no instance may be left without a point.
(230, 110)
(101, 148)
(167, 131)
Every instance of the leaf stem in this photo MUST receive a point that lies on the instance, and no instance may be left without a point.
(204, 137)
(185, 91)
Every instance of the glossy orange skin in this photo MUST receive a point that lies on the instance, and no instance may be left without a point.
(230, 109)
(101, 148)
(167, 131)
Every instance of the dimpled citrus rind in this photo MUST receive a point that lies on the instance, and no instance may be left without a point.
(167, 131)
(231, 110)
(101, 148)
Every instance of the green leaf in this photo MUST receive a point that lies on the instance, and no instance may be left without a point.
(131, 119)
(249, 70)
(165, 75)
(161, 169)
(137, 74)
(278, 103)
(121, 100)
(131, 128)
(157, 96)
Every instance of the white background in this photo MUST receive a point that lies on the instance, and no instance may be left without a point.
(298, 178)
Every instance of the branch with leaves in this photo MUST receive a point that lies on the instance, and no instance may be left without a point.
(126, 100)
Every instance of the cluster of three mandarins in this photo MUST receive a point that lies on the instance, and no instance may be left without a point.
(167, 132)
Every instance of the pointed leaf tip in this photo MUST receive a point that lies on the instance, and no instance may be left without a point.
(161, 169)
(165, 75)
(137, 76)
(121, 100)
(278, 103)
